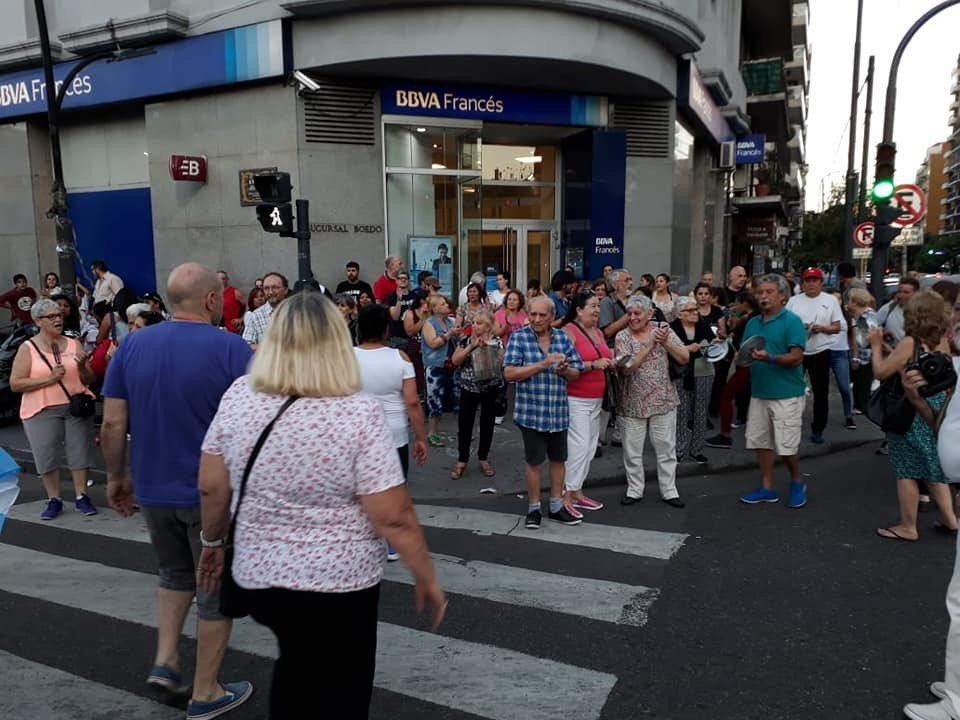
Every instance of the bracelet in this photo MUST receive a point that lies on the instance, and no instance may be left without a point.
(212, 543)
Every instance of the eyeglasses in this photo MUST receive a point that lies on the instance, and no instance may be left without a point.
(51, 316)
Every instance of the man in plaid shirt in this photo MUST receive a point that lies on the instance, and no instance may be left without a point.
(541, 359)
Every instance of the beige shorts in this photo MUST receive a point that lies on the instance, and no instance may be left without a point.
(775, 425)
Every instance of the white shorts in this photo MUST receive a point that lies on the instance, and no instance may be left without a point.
(775, 425)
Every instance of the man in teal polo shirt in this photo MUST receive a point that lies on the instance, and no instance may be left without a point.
(775, 420)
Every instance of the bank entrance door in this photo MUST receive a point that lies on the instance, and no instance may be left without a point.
(520, 248)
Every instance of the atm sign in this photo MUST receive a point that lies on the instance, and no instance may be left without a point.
(188, 168)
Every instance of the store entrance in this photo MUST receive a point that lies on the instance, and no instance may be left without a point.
(520, 248)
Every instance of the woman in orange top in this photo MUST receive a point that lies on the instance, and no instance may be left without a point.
(48, 369)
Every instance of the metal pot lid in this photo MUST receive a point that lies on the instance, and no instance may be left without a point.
(717, 351)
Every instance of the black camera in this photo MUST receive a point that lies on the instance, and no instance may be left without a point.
(937, 369)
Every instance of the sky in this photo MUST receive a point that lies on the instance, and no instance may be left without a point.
(923, 85)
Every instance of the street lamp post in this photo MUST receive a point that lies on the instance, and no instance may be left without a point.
(850, 194)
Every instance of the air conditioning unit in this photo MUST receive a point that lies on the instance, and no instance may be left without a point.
(728, 155)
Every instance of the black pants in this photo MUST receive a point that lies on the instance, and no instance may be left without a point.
(328, 647)
(862, 378)
(818, 366)
(469, 402)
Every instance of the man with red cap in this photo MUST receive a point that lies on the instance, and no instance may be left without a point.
(822, 317)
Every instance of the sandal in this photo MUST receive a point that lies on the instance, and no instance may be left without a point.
(458, 471)
(435, 441)
(486, 468)
(893, 535)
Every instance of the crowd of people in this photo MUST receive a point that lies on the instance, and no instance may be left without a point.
(259, 413)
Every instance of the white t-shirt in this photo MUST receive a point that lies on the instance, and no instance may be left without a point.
(496, 298)
(382, 372)
(841, 341)
(820, 310)
(947, 446)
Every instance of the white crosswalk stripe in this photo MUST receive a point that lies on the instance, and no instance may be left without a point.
(473, 677)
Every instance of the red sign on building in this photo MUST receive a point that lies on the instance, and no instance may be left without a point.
(188, 168)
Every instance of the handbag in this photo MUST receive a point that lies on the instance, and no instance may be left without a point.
(81, 404)
(889, 407)
(235, 600)
(611, 387)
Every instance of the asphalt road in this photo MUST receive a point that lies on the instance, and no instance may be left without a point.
(733, 611)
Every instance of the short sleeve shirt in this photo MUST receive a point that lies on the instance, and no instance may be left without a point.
(560, 306)
(648, 391)
(611, 310)
(301, 525)
(820, 310)
(259, 321)
(783, 332)
(541, 402)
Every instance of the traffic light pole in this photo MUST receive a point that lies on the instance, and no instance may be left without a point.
(305, 281)
(867, 113)
(881, 245)
(851, 189)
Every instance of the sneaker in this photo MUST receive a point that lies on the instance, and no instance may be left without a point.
(574, 513)
(720, 441)
(857, 411)
(588, 504)
(498, 420)
(166, 678)
(940, 710)
(630, 500)
(533, 520)
(798, 495)
(52, 510)
(737, 424)
(700, 459)
(392, 555)
(237, 694)
(85, 506)
(760, 495)
(938, 689)
(849, 424)
(816, 438)
(564, 517)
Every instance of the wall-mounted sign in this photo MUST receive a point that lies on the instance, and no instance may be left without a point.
(343, 228)
(248, 192)
(750, 149)
(476, 103)
(221, 58)
(695, 100)
(188, 168)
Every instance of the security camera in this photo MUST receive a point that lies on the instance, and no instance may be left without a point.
(305, 81)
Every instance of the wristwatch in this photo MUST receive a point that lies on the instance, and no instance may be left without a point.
(212, 543)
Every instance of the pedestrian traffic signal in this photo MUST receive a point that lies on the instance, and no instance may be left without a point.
(884, 233)
(275, 213)
(883, 185)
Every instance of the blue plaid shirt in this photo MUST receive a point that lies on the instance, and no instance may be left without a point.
(541, 402)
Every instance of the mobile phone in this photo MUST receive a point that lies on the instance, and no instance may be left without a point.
(56, 354)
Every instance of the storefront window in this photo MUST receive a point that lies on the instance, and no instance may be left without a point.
(682, 198)
(428, 148)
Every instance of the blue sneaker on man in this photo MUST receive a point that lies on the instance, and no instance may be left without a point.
(85, 506)
(760, 495)
(798, 495)
(816, 438)
(52, 510)
(237, 694)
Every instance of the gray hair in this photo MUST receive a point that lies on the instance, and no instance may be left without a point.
(683, 302)
(344, 299)
(133, 311)
(616, 275)
(551, 308)
(640, 301)
(783, 287)
(478, 277)
(42, 307)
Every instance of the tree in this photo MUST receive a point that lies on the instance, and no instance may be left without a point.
(822, 239)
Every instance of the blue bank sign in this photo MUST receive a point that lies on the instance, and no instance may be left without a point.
(471, 103)
(242, 54)
(750, 149)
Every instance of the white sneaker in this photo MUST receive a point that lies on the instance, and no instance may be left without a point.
(938, 689)
(941, 710)
(498, 420)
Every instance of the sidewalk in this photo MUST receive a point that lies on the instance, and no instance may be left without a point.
(433, 482)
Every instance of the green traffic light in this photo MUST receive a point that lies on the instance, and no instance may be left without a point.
(883, 190)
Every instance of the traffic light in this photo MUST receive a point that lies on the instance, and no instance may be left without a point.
(275, 213)
(883, 185)
(884, 233)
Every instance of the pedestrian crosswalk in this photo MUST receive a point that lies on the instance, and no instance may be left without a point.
(467, 667)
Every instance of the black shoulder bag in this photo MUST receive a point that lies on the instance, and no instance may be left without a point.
(235, 600)
(81, 404)
(889, 407)
(611, 389)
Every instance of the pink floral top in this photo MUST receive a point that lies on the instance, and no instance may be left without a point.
(648, 391)
(301, 525)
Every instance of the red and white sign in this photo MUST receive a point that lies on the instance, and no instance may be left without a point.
(863, 235)
(912, 202)
(188, 168)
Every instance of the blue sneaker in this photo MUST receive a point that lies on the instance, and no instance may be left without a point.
(85, 506)
(798, 495)
(237, 694)
(52, 510)
(166, 678)
(816, 438)
(392, 555)
(760, 495)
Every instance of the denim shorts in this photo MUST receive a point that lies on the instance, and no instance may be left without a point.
(175, 535)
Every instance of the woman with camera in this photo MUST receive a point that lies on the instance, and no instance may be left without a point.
(914, 454)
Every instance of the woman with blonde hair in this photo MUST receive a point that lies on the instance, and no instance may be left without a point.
(436, 345)
(311, 507)
(914, 454)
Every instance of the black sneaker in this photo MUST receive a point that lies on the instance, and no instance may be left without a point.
(700, 459)
(720, 441)
(850, 424)
(562, 516)
(533, 520)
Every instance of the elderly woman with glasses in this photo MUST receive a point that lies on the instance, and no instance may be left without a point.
(649, 399)
(696, 382)
(47, 370)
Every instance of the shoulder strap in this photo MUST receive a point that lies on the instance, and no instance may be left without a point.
(44, 358)
(589, 339)
(253, 458)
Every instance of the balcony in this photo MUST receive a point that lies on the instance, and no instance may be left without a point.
(797, 145)
(801, 19)
(797, 105)
(797, 70)
(763, 77)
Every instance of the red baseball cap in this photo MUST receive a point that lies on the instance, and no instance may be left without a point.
(813, 273)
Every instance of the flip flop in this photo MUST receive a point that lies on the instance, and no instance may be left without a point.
(944, 530)
(458, 471)
(487, 469)
(892, 536)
